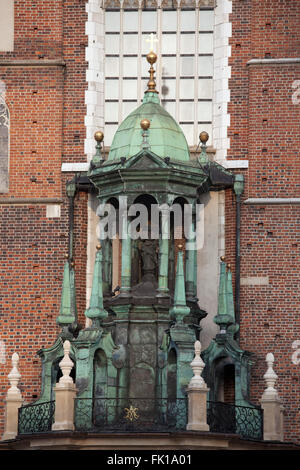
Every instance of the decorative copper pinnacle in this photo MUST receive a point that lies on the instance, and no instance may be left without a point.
(151, 58)
(98, 136)
(204, 137)
(145, 124)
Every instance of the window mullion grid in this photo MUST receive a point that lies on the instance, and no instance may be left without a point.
(178, 60)
(104, 64)
(139, 67)
(121, 62)
(159, 37)
(197, 24)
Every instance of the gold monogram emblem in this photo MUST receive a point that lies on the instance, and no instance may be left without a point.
(131, 413)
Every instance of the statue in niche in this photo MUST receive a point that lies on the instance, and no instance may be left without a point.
(148, 262)
(148, 253)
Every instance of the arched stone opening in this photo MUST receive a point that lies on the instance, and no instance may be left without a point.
(172, 375)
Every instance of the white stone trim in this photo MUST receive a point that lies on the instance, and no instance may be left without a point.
(232, 164)
(53, 211)
(255, 281)
(273, 200)
(7, 25)
(283, 60)
(222, 73)
(94, 95)
(75, 167)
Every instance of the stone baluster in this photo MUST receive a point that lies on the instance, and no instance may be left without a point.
(197, 395)
(13, 401)
(65, 392)
(272, 406)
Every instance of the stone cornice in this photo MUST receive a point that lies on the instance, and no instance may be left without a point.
(273, 200)
(29, 200)
(281, 61)
(32, 63)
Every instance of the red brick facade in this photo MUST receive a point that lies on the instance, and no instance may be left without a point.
(47, 109)
(47, 112)
(265, 130)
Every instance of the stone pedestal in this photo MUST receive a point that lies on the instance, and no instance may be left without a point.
(64, 407)
(273, 418)
(13, 403)
(197, 420)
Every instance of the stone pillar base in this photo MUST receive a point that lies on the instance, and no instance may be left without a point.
(197, 420)
(64, 407)
(273, 418)
(13, 403)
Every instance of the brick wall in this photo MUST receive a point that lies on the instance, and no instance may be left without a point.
(265, 130)
(47, 111)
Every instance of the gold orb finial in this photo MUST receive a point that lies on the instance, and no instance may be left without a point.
(204, 137)
(145, 124)
(67, 255)
(99, 246)
(222, 258)
(151, 57)
(229, 266)
(180, 247)
(99, 136)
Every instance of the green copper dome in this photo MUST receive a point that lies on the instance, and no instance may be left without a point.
(166, 138)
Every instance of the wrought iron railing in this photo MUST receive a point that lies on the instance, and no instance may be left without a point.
(143, 415)
(130, 415)
(242, 420)
(36, 418)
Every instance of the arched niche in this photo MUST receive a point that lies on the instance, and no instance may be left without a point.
(100, 374)
(172, 375)
(148, 229)
(99, 387)
(223, 378)
(111, 250)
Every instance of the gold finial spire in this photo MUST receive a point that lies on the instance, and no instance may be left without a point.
(151, 58)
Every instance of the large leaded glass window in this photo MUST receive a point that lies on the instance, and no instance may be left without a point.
(184, 70)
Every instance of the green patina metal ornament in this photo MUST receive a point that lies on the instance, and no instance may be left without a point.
(96, 311)
(97, 159)
(224, 350)
(68, 310)
(179, 309)
(141, 342)
(238, 185)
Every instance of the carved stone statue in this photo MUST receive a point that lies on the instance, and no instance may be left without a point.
(147, 251)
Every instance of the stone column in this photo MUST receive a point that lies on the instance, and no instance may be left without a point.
(272, 406)
(191, 260)
(197, 395)
(126, 258)
(65, 392)
(163, 290)
(13, 401)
